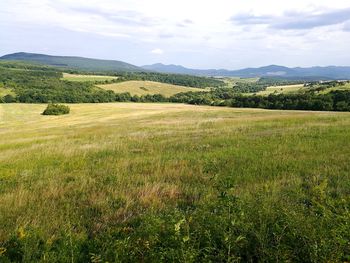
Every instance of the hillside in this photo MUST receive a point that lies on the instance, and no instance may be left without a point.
(83, 78)
(312, 73)
(147, 87)
(80, 63)
(99, 65)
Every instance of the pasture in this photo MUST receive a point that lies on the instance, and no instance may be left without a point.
(126, 182)
(147, 87)
(79, 77)
(345, 87)
(285, 89)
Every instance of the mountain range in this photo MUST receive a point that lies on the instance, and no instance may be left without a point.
(89, 64)
(331, 72)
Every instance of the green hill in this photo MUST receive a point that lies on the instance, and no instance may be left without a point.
(87, 64)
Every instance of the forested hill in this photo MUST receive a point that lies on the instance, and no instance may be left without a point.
(312, 73)
(80, 63)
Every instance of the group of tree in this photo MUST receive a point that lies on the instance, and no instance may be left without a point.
(324, 85)
(333, 101)
(35, 83)
(175, 79)
(56, 109)
(262, 84)
(41, 84)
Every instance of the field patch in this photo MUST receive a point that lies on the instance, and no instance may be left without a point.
(82, 78)
(345, 87)
(147, 87)
(285, 89)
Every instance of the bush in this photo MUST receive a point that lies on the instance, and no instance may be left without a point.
(9, 98)
(56, 109)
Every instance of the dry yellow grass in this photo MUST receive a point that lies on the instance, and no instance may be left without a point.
(147, 87)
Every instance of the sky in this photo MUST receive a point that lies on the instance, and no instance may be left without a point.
(202, 34)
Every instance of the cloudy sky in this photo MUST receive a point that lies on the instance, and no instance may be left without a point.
(228, 34)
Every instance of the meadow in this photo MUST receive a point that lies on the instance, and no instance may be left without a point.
(127, 182)
(147, 87)
(284, 89)
(345, 87)
(93, 78)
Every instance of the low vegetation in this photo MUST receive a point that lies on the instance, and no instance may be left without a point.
(140, 88)
(90, 78)
(56, 109)
(284, 89)
(327, 87)
(175, 79)
(252, 86)
(5, 91)
(136, 182)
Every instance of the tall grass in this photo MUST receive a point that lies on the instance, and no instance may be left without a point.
(173, 183)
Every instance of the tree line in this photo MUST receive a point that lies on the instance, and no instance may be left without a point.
(35, 83)
(43, 84)
(262, 84)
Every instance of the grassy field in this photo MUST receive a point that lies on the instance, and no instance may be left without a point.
(282, 89)
(124, 182)
(77, 77)
(345, 87)
(147, 87)
(232, 81)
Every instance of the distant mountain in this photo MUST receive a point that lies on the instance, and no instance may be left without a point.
(89, 64)
(331, 72)
(81, 63)
(177, 69)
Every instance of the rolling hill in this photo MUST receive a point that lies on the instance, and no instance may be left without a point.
(312, 73)
(80, 63)
(99, 65)
(148, 87)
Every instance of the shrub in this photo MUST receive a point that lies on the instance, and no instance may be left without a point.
(9, 98)
(56, 109)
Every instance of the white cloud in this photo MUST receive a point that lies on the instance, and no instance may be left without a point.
(195, 32)
(157, 51)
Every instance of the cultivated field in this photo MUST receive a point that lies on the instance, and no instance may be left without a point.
(282, 89)
(124, 182)
(78, 77)
(147, 87)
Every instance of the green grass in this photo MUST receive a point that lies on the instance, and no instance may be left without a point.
(285, 89)
(345, 87)
(147, 87)
(77, 77)
(232, 81)
(124, 182)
